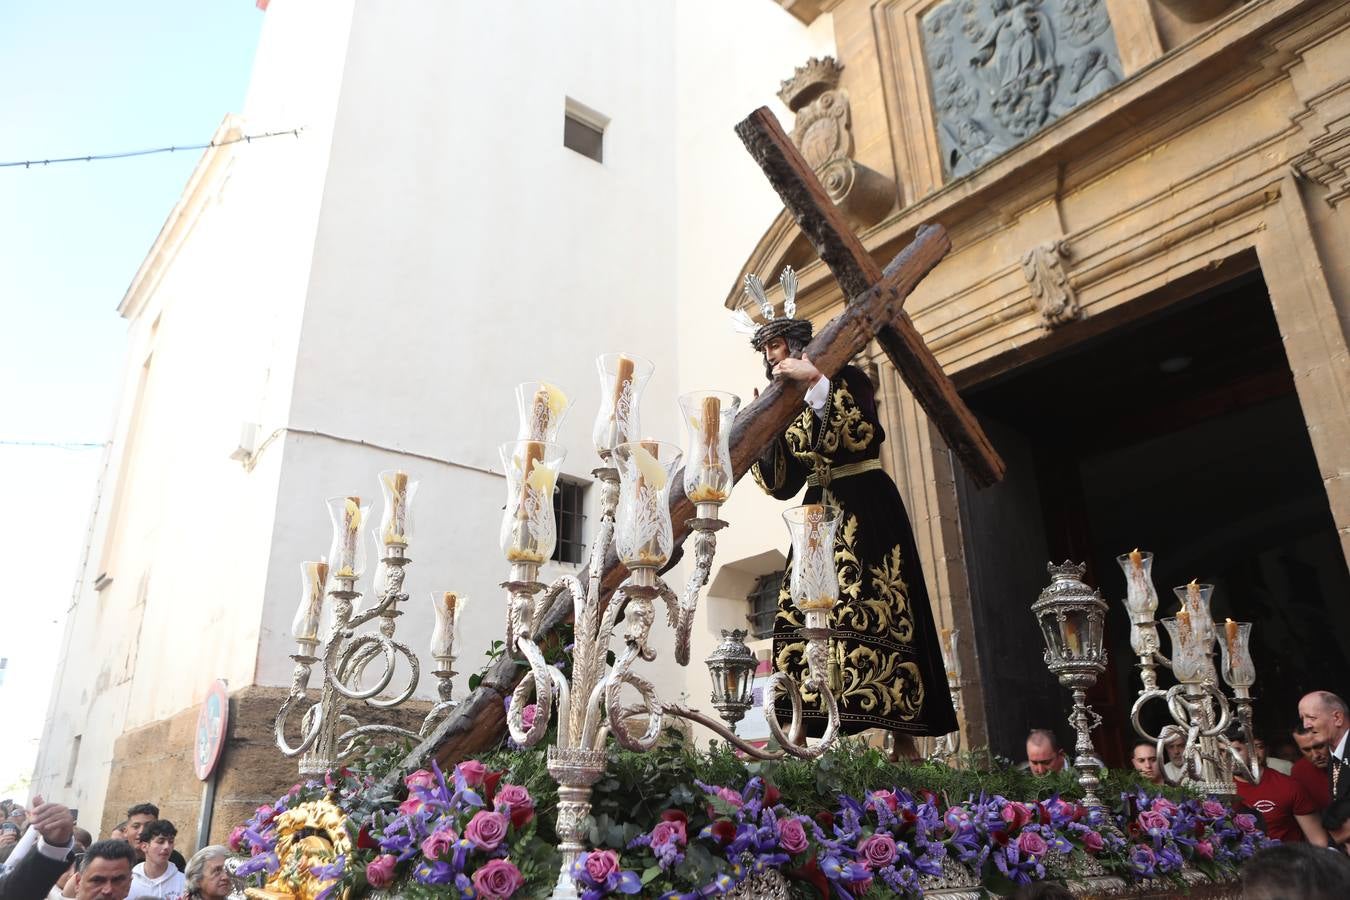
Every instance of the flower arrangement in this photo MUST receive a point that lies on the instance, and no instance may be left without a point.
(679, 824)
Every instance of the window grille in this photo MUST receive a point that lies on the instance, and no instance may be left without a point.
(764, 604)
(569, 504)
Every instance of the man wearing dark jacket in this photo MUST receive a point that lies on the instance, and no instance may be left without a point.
(33, 876)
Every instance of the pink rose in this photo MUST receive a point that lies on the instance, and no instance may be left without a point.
(438, 843)
(1164, 806)
(1212, 809)
(380, 871)
(518, 803)
(1149, 820)
(1245, 822)
(887, 797)
(1092, 842)
(956, 818)
(265, 813)
(668, 833)
(730, 796)
(600, 864)
(473, 771)
(487, 830)
(498, 880)
(791, 835)
(1016, 815)
(237, 838)
(421, 780)
(527, 715)
(878, 851)
(1032, 844)
(1204, 849)
(410, 806)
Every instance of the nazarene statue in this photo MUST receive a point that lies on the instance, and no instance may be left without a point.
(886, 668)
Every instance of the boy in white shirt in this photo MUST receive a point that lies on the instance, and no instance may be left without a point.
(157, 878)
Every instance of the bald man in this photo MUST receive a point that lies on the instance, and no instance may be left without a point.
(1326, 717)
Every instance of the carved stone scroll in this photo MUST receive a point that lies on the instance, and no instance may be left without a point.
(1001, 70)
(1054, 296)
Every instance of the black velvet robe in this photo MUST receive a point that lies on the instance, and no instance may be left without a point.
(890, 673)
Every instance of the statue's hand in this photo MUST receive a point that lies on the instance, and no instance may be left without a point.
(798, 370)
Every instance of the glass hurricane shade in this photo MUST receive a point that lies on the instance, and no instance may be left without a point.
(1191, 648)
(814, 580)
(1141, 597)
(542, 408)
(623, 378)
(529, 532)
(1235, 659)
(1195, 600)
(313, 583)
(446, 609)
(347, 555)
(707, 417)
(396, 521)
(642, 532)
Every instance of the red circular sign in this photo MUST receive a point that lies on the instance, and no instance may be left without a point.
(213, 722)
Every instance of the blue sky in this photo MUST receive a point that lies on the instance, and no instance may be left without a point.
(81, 77)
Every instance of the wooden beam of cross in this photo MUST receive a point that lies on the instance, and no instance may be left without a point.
(856, 272)
(479, 722)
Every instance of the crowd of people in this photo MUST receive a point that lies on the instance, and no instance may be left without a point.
(45, 855)
(1303, 794)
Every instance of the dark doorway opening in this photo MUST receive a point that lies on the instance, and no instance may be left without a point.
(1178, 433)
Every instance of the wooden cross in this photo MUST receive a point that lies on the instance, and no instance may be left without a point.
(857, 274)
(875, 309)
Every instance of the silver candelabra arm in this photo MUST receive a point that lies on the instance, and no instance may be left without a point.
(705, 526)
(310, 723)
(817, 680)
(540, 681)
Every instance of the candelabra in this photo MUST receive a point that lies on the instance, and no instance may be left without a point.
(1072, 619)
(1201, 713)
(946, 747)
(635, 481)
(329, 734)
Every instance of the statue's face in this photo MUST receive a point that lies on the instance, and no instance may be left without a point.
(775, 351)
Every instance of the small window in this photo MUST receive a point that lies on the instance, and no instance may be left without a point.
(584, 130)
(764, 604)
(74, 759)
(568, 511)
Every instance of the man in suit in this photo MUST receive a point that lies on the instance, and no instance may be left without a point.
(1326, 717)
(33, 875)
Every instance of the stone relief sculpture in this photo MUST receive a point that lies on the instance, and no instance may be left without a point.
(1054, 296)
(823, 134)
(1001, 70)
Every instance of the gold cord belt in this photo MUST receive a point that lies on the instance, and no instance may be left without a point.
(834, 473)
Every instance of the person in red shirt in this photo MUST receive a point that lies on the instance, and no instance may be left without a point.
(1311, 768)
(1289, 813)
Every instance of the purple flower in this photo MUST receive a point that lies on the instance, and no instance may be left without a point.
(487, 830)
(1245, 822)
(498, 880)
(792, 835)
(878, 851)
(433, 873)
(518, 802)
(600, 864)
(439, 843)
(668, 833)
(1152, 821)
(1092, 842)
(1032, 844)
(528, 714)
(380, 871)
(1142, 860)
(421, 780)
(1212, 809)
(1164, 806)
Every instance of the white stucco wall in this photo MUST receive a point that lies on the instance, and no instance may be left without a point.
(216, 307)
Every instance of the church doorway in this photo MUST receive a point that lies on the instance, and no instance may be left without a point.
(1179, 433)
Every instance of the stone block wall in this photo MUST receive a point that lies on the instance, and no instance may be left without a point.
(154, 764)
